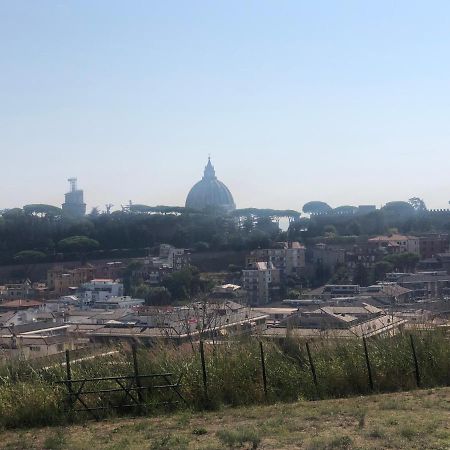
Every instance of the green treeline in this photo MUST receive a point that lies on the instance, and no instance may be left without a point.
(30, 238)
(41, 233)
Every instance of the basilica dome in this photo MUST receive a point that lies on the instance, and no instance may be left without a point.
(210, 192)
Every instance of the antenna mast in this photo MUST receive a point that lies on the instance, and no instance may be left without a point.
(73, 184)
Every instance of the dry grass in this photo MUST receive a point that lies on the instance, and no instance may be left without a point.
(413, 420)
(30, 397)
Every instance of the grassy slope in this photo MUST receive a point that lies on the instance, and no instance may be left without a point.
(414, 420)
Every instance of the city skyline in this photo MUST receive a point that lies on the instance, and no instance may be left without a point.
(295, 102)
(73, 181)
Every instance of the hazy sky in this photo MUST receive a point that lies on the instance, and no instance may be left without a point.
(342, 101)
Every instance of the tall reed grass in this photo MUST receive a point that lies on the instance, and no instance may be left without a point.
(29, 395)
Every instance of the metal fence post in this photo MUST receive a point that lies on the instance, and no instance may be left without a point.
(416, 362)
(69, 378)
(369, 367)
(136, 374)
(263, 366)
(313, 369)
(205, 378)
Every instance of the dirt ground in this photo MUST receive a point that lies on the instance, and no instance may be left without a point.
(412, 420)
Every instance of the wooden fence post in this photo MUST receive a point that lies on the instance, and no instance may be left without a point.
(369, 368)
(205, 378)
(263, 366)
(416, 362)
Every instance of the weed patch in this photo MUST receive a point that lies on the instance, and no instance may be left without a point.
(170, 442)
(330, 443)
(376, 433)
(55, 441)
(239, 437)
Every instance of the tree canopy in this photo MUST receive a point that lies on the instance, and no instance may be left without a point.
(78, 244)
(153, 296)
(398, 208)
(29, 256)
(403, 262)
(42, 210)
(316, 207)
(418, 204)
(185, 284)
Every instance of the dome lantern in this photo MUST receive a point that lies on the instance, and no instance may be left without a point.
(209, 173)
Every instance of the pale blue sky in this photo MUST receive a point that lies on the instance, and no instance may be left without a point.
(342, 101)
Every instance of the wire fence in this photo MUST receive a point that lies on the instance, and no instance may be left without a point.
(205, 375)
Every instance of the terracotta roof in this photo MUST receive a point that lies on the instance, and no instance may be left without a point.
(391, 290)
(20, 304)
(392, 237)
(296, 244)
(423, 278)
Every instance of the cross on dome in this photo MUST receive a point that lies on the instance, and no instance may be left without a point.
(209, 173)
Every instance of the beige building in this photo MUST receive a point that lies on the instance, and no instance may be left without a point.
(397, 243)
(328, 255)
(34, 340)
(275, 314)
(363, 320)
(61, 281)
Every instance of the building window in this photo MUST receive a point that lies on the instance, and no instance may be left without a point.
(35, 348)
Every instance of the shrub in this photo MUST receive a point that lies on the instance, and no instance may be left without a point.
(33, 403)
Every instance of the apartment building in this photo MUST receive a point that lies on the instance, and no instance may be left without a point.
(432, 244)
(11, 291)
(172, 258)
(288, 258)
(62, 282)
(256, 282)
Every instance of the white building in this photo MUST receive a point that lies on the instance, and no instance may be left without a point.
(99, 290)
(171, 258)
(256, 282)
(124, 302)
